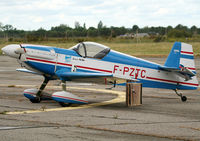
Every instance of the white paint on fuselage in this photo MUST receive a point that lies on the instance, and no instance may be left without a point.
(118, 70)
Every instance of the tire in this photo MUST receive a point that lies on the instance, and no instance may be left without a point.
(36, 100)
(184, 98)
(64, 104)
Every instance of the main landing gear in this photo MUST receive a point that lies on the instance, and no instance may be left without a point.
(63, 104)
(63, 97)
(38, 94)
(183, 98)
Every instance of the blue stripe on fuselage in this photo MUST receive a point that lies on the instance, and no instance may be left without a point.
(162, 85)
(43, 67)
(117, 57)
(39, 48)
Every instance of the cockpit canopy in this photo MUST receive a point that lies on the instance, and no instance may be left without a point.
(91, 50)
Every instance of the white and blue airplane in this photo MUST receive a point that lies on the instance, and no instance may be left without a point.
(92, 60)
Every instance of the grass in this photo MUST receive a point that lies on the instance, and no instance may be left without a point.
(142, 49)
(148, 49)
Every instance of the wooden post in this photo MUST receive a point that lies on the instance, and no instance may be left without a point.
(133, 93)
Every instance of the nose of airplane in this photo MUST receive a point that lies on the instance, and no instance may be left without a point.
(10, 50)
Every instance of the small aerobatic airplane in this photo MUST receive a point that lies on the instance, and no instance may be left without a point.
(89, 60)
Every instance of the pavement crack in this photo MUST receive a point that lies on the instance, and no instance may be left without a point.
(136, 133)
(144, 123)
(15, 107)
(21, 127)
(113, 117)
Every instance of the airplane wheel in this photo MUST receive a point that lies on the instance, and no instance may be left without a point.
(36, 100)
(184, 98)
(65, 104)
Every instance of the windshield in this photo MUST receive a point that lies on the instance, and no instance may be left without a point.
(91, 50)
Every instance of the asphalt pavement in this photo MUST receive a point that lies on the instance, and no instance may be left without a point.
(162, 116)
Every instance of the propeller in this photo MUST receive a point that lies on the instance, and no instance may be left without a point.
(21, 51)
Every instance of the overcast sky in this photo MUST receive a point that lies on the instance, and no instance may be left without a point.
(33, 14)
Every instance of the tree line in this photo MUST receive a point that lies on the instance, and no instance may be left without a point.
(9, 32)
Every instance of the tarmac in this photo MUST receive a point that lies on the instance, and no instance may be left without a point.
(162, 116)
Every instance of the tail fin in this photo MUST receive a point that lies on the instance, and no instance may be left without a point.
(181, 61)
(181, 56)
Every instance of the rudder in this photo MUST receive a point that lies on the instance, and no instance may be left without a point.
(187, 57)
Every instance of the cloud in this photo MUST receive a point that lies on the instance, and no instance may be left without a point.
(36, 19)
(47, 13)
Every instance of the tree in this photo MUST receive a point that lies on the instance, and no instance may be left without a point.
(1, 26)
(60, 31)
(8, 27)
(77, 25)
(84, 26)
(100, 25)
(181, 27)
(135, 28)
(92, 32)
(169, 28)
(104, 31)
(194, 29)
(175, 33)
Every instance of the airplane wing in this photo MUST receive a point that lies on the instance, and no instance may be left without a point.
(185, 72)
(77, 75)
(28, 71)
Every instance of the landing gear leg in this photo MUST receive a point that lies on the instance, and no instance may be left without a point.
(183, 98)
(63, 83)
(114, 85)
(38, 94)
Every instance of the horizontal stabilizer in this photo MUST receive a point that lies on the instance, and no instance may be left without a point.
(28, 71)
(187, 74)
(77, 75)
(168, 68)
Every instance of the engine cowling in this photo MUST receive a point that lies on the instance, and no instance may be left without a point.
(67, 97)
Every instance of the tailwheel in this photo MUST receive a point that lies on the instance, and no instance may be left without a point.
(65, 104)
(183, 98)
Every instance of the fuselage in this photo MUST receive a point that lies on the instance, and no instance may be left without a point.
(48, 60)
